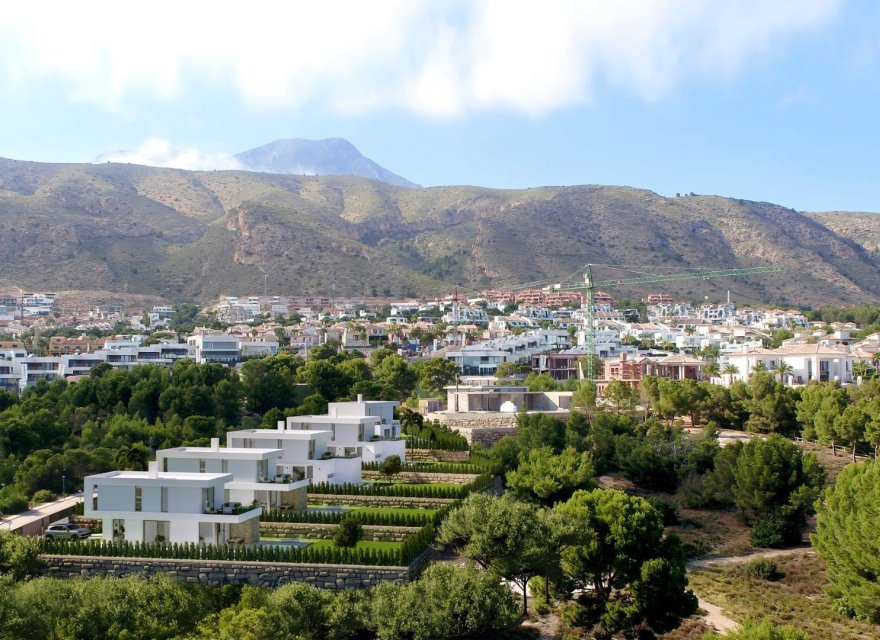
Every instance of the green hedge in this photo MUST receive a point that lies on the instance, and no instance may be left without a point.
(409, 549)
(441, 440)
(456, 492)
(433, 467)
(413, 519)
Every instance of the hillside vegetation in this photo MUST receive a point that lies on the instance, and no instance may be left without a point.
(196, 235)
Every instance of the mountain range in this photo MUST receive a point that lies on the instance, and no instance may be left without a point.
(194, 235)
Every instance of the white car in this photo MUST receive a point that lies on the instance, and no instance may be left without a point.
(67, 532)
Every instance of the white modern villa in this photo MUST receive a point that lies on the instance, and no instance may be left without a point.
(153, 506)
(255, 473)
(305, 455)
(364, 428)
(807, 362)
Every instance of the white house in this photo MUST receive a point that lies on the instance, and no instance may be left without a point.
(153, 506)
(363, 428)
(807, 362)
(254, 472)
(304, 454)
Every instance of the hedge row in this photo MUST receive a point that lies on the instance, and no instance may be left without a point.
(404, 519)
(441, 440)
(410, 548)
(456, 492)
(432, 467)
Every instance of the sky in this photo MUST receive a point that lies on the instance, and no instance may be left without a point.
(772, 100)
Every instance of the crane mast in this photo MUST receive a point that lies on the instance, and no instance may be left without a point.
(589, 286)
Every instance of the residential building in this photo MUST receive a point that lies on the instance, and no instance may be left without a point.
(255, 476)
(807, 362)
(304, 454)
(363, 428)
(153, 506)
(488, 394)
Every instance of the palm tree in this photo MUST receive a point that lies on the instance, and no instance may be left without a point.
(730, 370)
(860, 369)
(783, 369)
(711, 370)
(760, 366)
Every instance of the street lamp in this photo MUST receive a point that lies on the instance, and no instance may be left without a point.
(63, 485)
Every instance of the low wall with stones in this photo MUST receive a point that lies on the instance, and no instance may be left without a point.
(220, 572)
(376, 533)
(421, 476)
(379, 501)
(437, 455)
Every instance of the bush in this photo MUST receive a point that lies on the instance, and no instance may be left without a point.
(13, 503)
(762, 569)
(43, 495)
(348, 533)
(667, 509)
(776, 531)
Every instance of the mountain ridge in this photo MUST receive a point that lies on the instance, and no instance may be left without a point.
(194, 235)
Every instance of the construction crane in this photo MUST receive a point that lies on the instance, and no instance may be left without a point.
(589, 285)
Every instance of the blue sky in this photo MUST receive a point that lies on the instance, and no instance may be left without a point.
(761, 99)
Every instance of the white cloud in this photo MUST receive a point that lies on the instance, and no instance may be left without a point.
(157, 152)
(437, 59)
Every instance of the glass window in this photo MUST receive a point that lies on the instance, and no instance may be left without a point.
(138, 499)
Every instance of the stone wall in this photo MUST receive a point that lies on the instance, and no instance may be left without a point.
(219, 572)
(379, 501)
(376, 533)
(485, 428)
(437, 455)
(421, 476)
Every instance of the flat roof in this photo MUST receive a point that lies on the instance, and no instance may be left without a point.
(290, 434)
(163, 477)
(222, 452)
(332, 419)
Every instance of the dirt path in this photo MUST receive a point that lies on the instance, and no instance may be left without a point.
(715, 617)
(769, 553)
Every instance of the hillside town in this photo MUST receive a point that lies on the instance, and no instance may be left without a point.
(531, 331)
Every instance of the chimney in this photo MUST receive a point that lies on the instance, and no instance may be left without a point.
(360, 397)
(153, 469)
(623, 357)
(281, 425)
(215, 444)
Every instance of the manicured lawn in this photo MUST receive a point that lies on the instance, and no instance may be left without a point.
(797, 599)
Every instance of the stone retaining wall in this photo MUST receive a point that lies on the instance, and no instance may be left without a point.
(376, 533)
(219, 572)
(422, 476)
(437, 455)
(478, 427)
(379, 501)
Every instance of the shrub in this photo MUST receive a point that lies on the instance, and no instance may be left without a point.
(348, 533)
(667, 509)
(776, 531)
(43, 495)
(762, 569)
(13, 503)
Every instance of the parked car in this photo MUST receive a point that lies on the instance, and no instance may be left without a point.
(67, 531)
